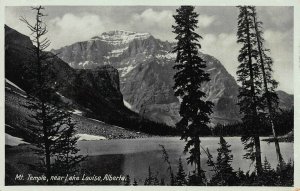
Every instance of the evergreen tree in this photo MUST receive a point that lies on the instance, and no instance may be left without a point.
(250, 90)
(135, 182)
(188, 80)
(151, 179)
(269, 177)
(155, 180)
(266, 166)
(240, 177)
(181, 176)
(67, 161)
(127, 181)
(224, 172)
(286, 174)
(195, 180)
(162, 182)
(52, 131)
(148, 180)
(172, 181)
(269, 96)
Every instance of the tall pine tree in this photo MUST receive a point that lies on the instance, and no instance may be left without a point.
(250, 90)
(190, 75)
(269, 96)
(52, 131)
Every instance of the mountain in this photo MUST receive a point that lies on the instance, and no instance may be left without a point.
(92, 93)
(145, 67)
(99, 86)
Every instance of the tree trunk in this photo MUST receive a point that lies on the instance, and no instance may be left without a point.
(197, 147)
(270, 109)
(258, 155)
(254, 111)
(47, 145)
(48, 164)
(278, 152)
(43, 100)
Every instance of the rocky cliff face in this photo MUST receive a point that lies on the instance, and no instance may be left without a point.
(146, 74)
(94, 91)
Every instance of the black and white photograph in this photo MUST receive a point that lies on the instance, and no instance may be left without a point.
(144, 95)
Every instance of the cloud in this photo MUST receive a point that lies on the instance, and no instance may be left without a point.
(205, 20)
(71, 28)
(158, 23)
(154, 18)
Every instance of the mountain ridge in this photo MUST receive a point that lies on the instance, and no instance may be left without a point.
(146, 77)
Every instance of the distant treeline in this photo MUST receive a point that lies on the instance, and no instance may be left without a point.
(284, 123)
(148, 126)
(140, 124)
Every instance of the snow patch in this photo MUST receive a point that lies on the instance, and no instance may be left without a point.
(96, 120)
(118, 37)
(60, 94)
(85, 63)
(21, 92)
(211, 69)
(77, 112)
(118, 127)
(13, 141)
(169, 56)
(124, 71)
(14, 85)
(179, 99)
(118, 52)
(128, 105)
(88, 137)
(22, 95)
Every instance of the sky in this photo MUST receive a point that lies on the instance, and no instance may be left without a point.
(216, 24)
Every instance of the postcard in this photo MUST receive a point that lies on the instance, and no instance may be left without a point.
(178, 95)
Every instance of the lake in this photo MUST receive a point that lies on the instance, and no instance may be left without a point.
(134, 156)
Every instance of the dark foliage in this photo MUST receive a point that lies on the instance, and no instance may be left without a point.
(135, 182)
(162, 182)
(151, 179)
(269, 97)
(250, 90)
(284, 123)
(190, 75)
(224, 174)
(52, 132)
(180, 176)
(128, 181)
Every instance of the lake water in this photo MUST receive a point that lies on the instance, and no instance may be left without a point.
(134, 156)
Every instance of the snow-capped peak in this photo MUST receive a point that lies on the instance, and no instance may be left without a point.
(121, 36)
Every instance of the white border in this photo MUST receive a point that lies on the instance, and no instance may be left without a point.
(295, 3)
